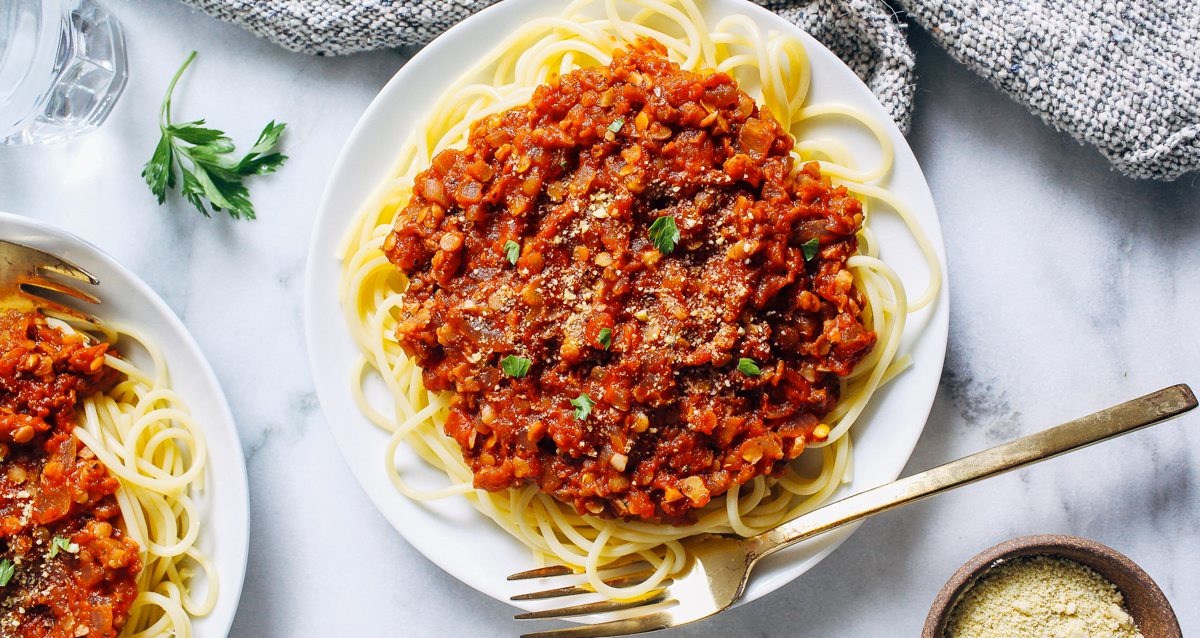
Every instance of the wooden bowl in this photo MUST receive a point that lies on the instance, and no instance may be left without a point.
(1143, 599)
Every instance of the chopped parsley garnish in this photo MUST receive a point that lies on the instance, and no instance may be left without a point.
(583, 406)
(6, 571)
(605, 337)
(748, 366)
(515, 366)
(664, 233)
(810, 248)
(616, 125)
(60, 543)
(214, 175)
(513, 250)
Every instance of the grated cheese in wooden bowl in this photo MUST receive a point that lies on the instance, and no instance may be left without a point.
(1043, 597)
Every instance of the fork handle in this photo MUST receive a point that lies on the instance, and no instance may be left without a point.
(1106, 424)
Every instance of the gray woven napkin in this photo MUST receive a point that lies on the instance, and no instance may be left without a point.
(1122, 75)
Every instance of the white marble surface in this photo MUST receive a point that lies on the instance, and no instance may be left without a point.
(1072, 288)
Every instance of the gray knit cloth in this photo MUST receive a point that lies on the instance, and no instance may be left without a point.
(1123, 75)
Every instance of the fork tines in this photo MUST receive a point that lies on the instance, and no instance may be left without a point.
(25, 281)
(630, 572)
(566, 570)
(640, 624)
(44, 261)
(652, 598)
(630, 580)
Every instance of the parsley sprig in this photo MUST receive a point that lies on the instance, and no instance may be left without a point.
(513, 251)
(810, 248)
(214, 174)
(61, 544)
(515, 366)
(583, 406)
(664, 234)
(7, 569)
(749, 366)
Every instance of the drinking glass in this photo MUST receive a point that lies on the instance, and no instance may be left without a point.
(62, 67)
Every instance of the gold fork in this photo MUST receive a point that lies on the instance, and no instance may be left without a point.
(25, 281)
(720, 565)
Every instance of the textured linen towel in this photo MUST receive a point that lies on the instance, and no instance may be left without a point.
(1122, 75)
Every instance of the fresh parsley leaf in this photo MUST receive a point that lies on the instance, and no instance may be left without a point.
(515, 366)
(664, 233)
(160, 170)
(810, 248)
(258, 161)
(513, 250)
(59, 543)
(616, 125)
(214, 175)
(193, 191)
(195, 133)
(748, 366)
(605, 337)
(583, 406)
(6, 571)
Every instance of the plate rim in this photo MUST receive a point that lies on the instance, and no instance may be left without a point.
(936, 326)
(241, 546)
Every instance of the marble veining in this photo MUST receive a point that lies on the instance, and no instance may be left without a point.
(1072, 288)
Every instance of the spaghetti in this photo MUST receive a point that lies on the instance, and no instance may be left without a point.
(144, 434)
(774, 69)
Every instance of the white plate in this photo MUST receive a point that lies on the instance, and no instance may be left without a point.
(225, 503)
(451, 533)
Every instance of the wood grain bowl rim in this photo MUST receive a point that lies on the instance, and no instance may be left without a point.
(1145, 601)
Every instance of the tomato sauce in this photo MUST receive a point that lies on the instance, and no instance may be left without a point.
(73, 571)
(704, 363)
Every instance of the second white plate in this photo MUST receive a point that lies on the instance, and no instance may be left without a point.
(224, 505)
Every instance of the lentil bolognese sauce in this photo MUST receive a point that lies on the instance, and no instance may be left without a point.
(67, 569)
(705, 357)
(613, 296)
